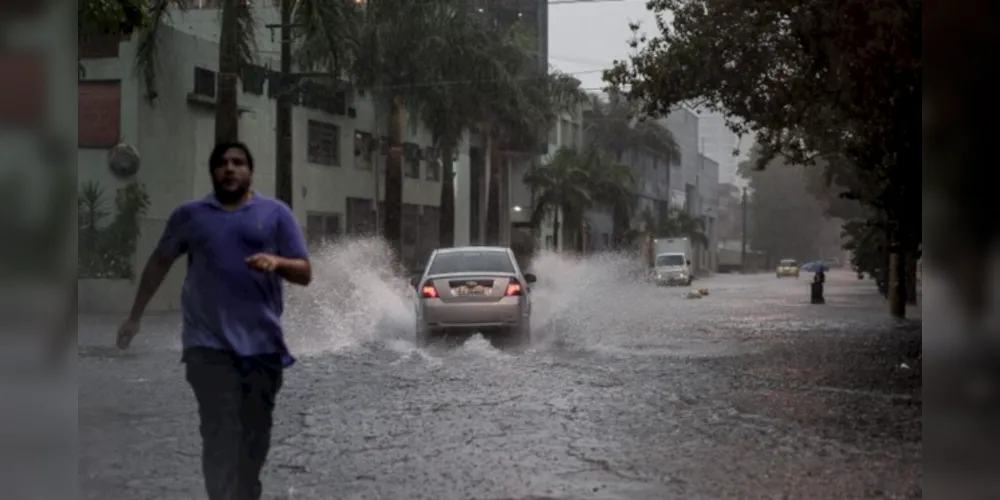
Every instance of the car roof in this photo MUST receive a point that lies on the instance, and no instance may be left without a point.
(472, 249)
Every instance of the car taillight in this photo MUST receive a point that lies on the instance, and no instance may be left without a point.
(513, 288)
(429, 292)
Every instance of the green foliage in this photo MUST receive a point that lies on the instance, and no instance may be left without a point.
(785, 219)
(575, 181)
(681, 224)
(615, 126)
(868, 245)
(809, 79)
(108, 250)
(110, 17)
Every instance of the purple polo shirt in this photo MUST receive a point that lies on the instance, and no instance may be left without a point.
(226, 304)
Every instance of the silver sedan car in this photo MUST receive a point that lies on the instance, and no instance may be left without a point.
(474, 289)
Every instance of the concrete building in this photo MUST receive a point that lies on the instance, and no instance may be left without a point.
(567, 132)
(708, 193)
(720, 144)
(335, 184)
(694, 181)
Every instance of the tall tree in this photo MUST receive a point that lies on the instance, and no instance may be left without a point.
(786, 219)
(681, 224)
(615, 126)
(474, 71)
(564, 187)
(321, 36)
(807, 79)
(573, 181)
(400, 45)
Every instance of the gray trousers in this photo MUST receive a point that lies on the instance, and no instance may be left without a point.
(235, 405)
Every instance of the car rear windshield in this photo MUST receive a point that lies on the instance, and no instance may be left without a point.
(788, 262)
(471, 262)
(669, 260)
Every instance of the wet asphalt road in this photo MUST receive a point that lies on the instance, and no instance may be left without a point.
(630, 392)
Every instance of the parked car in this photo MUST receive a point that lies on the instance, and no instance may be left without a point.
(787, 267)
(473, 289)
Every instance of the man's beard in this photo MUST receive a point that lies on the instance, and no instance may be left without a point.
(229, 197)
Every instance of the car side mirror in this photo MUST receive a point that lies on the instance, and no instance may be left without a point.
(689, 262)
(414, 281)
(530, 278)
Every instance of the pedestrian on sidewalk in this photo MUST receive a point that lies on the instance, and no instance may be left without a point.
(240, 246)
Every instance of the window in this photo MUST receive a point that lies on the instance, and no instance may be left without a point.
(363, 149)
(434, 170)
(204, 82)
(253, 79)
(323, 146)
(322, 228)
(486, 261)
(669, 260)
(99, 114)
(411, 160)
(360, 216)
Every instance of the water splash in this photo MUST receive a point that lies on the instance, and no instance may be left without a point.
(572, 295)
(356, 301)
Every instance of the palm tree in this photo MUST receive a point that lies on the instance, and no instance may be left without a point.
(531, 102)
(322, 36)
(612, 125)
(614, 187)
(681, 224)
(564, 185)
(471, 70)
(399, 58)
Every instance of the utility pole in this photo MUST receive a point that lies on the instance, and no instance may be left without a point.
(283, 126)
(743, 252)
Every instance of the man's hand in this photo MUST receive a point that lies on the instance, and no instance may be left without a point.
(264, 262)
(126, 332)
(297, 271)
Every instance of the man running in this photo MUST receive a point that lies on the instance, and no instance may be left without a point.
(240, 245)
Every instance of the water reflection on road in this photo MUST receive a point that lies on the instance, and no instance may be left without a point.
(629, 391)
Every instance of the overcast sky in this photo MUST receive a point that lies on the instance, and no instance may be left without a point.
(585, 38)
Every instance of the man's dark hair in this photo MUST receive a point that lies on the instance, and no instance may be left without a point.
(215, 159)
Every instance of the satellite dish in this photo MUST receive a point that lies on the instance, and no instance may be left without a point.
(123, 160)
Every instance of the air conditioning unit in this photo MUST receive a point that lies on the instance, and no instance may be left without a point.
(430, 153)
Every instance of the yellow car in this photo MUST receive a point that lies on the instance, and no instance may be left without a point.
(787, 267)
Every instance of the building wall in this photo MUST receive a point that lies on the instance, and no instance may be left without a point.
(683, 124)
(708, 192)
(720, 143)
(175, 134)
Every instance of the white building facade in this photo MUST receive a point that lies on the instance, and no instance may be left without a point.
(336, 186)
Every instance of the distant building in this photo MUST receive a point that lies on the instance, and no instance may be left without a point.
(719, 143)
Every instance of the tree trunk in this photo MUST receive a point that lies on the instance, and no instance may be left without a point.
(911, 278)
(897, 292)
(493, 197)
(227, 113)
(392, 218)
(555, 230)
(619, 225)
(283, 118)
(446, 221)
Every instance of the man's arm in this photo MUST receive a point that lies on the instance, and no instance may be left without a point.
(152, 277)
(293, 257)
(172, 245)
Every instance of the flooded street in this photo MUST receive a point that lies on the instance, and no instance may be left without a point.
(629, 392)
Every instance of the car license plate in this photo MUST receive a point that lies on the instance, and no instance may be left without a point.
(470, 292)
